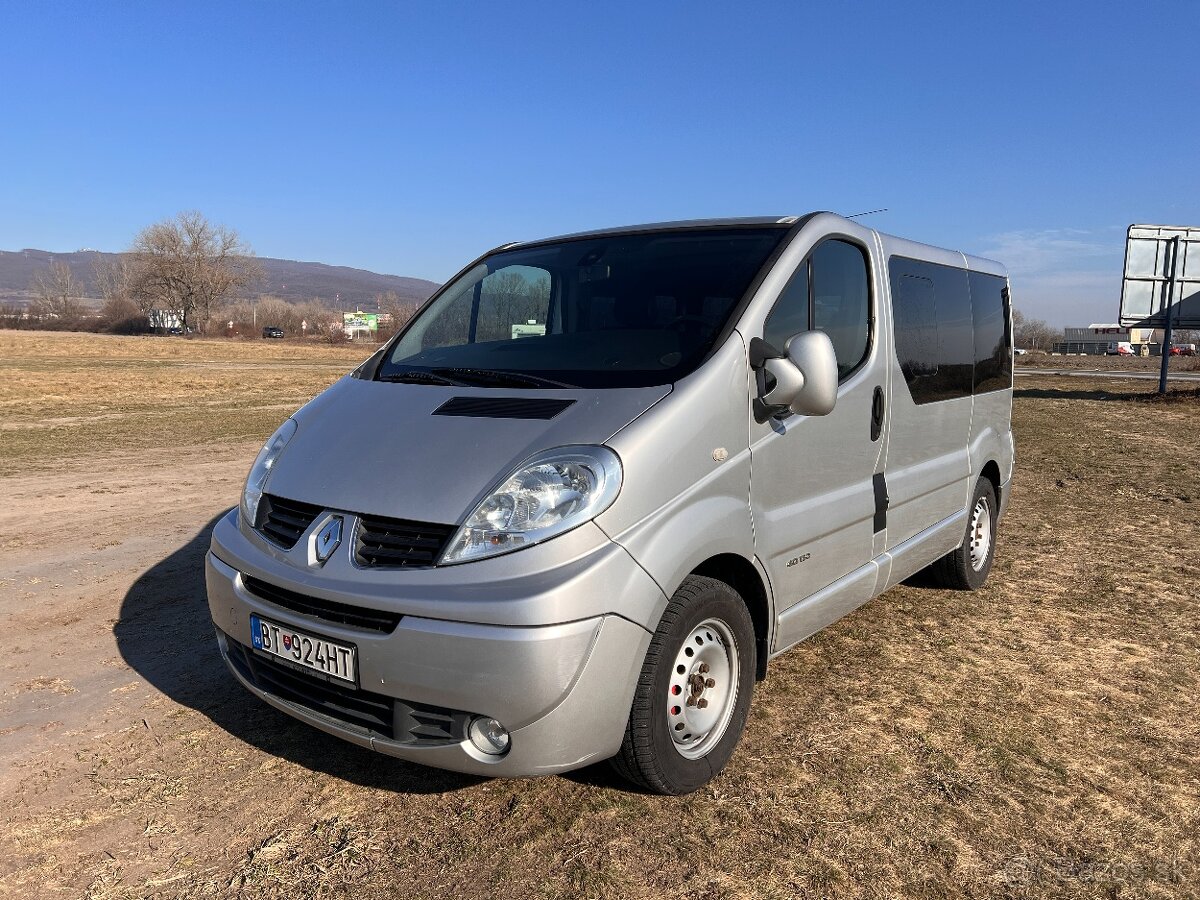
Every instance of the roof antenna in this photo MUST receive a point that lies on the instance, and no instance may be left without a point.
(869, 212)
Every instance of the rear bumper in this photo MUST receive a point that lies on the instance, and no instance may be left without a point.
(563, 690)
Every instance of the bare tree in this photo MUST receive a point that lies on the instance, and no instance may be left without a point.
(57, 292)
(120, 313)
(396, 310)
(189, 266)
(1033, 334)
(1186, 336)
(319, 317)
(114, 277)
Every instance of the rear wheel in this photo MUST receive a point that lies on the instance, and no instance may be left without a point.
(967, 567)
(693, 694)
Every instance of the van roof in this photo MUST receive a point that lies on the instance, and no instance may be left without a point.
(680, 225)
(891, 243)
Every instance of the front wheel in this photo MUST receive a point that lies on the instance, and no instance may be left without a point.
(694, 690)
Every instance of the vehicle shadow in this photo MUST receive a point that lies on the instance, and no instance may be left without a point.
(1052, 394)
(1150, 395)
(166, 635)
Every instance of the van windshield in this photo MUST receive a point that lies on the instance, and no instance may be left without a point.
(624, 310)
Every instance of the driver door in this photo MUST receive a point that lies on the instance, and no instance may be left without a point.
(813, 484)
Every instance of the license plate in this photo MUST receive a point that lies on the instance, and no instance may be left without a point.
(317, 654)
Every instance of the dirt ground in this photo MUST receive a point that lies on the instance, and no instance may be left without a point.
(1037, 738)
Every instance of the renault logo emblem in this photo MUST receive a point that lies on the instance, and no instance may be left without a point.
(328, 538)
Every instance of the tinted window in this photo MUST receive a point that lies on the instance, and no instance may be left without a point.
(841, 301)
(935, 334)
(620, 310)
(993, 333)
(916, 325)
(830, 291)
(790, 314)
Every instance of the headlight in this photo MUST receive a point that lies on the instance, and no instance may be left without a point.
(256, 481)
(551, 493)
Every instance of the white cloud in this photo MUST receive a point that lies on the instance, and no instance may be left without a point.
(1067, 276)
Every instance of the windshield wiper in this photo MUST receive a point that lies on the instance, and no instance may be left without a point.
(417, 376)
(499, 379)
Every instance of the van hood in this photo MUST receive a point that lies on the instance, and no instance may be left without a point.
(377, 447)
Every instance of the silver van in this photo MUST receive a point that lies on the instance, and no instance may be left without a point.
(573, 509)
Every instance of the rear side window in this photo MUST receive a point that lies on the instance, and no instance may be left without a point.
(935, 331)
(915, 313)
(830, 291)
(993, 333)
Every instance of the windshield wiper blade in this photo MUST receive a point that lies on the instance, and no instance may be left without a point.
(492, 377)
(416, 376)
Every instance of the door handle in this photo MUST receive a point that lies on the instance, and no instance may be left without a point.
(877, 414)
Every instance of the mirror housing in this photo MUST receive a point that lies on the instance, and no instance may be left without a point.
(812, 353)
(805, 376)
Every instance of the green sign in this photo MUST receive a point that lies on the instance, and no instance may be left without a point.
(360, 320)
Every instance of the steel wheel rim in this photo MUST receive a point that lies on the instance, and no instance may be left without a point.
(703, 689)
(981, 534)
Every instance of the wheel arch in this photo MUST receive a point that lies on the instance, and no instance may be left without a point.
(742, 575)
(991, 471)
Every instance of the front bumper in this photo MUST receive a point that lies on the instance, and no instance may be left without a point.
(563, 689)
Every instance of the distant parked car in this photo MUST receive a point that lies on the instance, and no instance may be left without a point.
(1120, 348)
(1017, 351)
(1183, 350)
(271, 331)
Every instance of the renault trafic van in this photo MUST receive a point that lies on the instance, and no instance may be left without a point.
(573, 509)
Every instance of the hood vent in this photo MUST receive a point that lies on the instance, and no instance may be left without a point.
(502, 407)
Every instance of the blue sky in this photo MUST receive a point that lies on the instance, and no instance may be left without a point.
(408, 138)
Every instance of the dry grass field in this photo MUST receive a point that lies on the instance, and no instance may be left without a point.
(1039, 738)
(62, 394)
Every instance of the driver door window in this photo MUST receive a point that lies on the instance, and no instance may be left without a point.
(829, 291)
(790, 315)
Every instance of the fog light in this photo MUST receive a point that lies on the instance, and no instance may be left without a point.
(488, 736)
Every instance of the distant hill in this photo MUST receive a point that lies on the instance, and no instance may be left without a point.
(286, 278)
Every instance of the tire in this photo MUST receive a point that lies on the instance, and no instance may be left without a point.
(967, 567)
(706, 630)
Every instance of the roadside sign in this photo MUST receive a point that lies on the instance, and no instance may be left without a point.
(361, 320)
(1162, 272)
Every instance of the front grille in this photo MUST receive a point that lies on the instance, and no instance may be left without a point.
(368, 713)
(362, 710)
(399, 543)
(324, 610)
(283, 521)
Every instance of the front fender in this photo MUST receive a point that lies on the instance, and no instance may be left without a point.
(710, 519)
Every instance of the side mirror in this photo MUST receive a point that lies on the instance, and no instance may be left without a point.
(803, 380)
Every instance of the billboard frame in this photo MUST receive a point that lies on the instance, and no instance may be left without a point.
(1154, 286)
(1161, 274)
